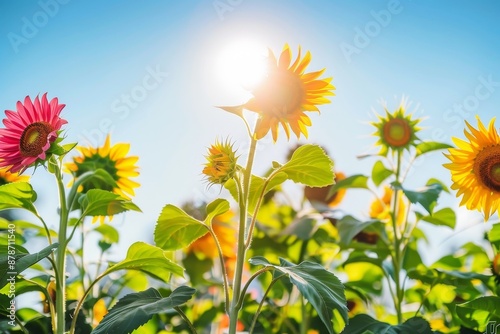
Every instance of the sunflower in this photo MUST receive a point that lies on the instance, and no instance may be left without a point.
(30, 133)
(380, 208)
(8, 177)
(221, 164)
(475, 168)
(112, 159)
(286, 93)
(396, 131)
(320, 194)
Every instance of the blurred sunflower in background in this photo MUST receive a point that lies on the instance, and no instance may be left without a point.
(8, 177)
(475, 168)
(114, 160)
(396, 131)
(380, 208)
(321, 194)
(287, 93)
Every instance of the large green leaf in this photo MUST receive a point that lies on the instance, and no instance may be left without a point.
(175, 229)
(17, 195)
(349, 227)
(320, 287)
(380, 173)
(12, 265)
(215, 208)
(149, 259)
(97, 202)
(477, 312)
(444, 217)
(109, 233)
(429, 146)
(353, 181)
(136, 309)
(427, 196)
(257, 185)
(364, 324)
(311, 166)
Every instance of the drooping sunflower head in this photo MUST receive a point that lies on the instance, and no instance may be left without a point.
(112, 159)
(287, 93)
(8, 177)
(31, 133)
(475, 168)
(396, 131)
(221, 162)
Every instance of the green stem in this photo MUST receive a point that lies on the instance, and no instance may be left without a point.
(261, 304)
(241, 253)
(223, 265)
(396, 259)
(186, 319)
(61, 255)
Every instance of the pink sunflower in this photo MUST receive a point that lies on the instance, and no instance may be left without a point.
(29, 132)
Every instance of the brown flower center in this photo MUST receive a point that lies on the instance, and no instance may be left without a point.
(34, 138)
(281, 94)
(487, 167)
(397, 132)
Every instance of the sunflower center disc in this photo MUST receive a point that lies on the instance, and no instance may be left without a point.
(397, 132)
(282, 94)
(34, 138)
(487, 166)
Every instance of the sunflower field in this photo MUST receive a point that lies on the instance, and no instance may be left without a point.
(274, 250)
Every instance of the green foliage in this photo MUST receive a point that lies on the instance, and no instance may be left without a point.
(310, 166)
(380, 173)
(175, 229)
(97, 202)
(476, 313)
(149, 259)
(351, 182)
(19, 262)
(427, 196)
(443, 217)
(17, 195)
(364, 324)
(429, 146)
(320, 287)
(136, 309)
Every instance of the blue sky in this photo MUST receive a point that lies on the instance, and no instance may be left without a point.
(96, 56)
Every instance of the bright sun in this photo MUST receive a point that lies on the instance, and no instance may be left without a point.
(242, 63)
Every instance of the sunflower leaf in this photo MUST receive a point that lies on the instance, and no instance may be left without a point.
(445, 217)
(380, 173)
(17, 195)
(216, 208)
(363, 324)
(97, 202)
(175, 229)
(310, 166)
(427, 196)
(477, 312)
(494, 235)
(320, 287)
(109, 234)
(354, 181)
(135, 309)
(19, 262)
(429, 146)
(149, 259)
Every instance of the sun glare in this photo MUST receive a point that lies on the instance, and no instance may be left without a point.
(242, 63)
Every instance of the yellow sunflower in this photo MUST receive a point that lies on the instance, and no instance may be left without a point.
(396, 131)
(475, 168)
(221, 163)
(8, 177)
(112, 159)
(380, 208)
(286, 93)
